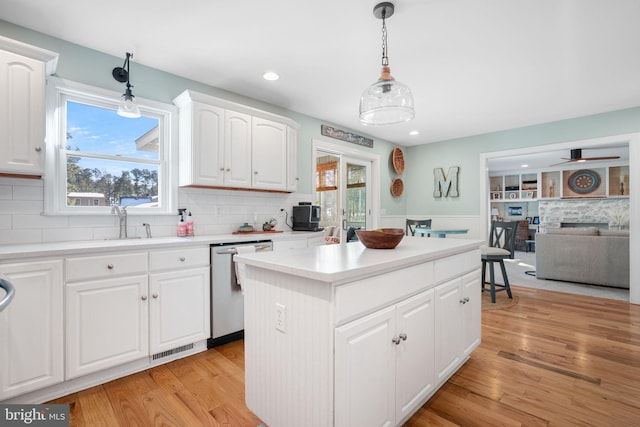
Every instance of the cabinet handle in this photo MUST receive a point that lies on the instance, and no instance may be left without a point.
(155, 296)
(395, 340)
(38, 149)
(110, 266)
(182, 259)
(403, 336)
(464, 300)
(144, 297)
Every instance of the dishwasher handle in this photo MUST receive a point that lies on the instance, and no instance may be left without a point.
(233, 251)
(10, 290)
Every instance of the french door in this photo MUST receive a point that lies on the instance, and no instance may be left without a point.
(344, 192)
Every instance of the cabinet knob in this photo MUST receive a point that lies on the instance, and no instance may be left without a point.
(464, 300)
(395, 340)
(144, 297)
(38, 149)
(228, 170)
(155, 296)
(110, 266)
(183, 259)
(222, 169)
(255, 172)
(403, 336)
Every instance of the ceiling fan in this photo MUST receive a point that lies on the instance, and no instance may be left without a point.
(576, 156)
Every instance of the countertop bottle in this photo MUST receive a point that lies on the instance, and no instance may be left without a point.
(181, 229)
(189, 224)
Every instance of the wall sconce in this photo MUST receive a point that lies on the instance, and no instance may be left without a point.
(128, 107)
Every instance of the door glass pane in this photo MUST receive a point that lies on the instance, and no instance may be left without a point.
(356, 195)
(328, 188)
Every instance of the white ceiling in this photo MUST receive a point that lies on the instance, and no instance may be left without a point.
(473, 66)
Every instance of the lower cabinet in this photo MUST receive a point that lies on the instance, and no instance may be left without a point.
(457, 322)
(179, 308)
(124, 318)
(384, 363)
(31, 328)
(107, 323)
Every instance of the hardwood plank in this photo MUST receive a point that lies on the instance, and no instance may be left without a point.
(553, 359)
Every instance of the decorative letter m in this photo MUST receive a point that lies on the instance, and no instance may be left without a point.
(447, 186)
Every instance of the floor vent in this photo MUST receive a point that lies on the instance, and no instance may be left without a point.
(172, 351)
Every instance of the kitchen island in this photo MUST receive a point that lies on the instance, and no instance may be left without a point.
(342, 335)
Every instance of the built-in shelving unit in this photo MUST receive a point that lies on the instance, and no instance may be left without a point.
(600, 182)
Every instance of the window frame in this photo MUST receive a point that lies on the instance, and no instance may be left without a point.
(59, 91)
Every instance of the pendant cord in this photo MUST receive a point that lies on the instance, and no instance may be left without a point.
(385, 59)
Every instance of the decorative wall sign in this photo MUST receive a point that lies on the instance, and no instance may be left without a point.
(346, 136)
(445, 185)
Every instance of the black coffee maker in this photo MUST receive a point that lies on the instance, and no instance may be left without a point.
(306, 217)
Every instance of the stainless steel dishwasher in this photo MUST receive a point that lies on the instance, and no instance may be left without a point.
(227, 301)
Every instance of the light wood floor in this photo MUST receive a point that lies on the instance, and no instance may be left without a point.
(554, 359)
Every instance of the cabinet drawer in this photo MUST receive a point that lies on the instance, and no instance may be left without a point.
(105, 266)
(363, 296)
(456, 265)
(178, 258)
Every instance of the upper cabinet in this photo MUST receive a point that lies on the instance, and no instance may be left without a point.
(229, 145)
(23, 69)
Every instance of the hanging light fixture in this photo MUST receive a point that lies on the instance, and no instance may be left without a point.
(387, 101)
(128, 107)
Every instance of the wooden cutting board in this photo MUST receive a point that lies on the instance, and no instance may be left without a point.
(257, 232)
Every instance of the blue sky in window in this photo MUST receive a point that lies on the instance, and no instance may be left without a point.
(100, 130)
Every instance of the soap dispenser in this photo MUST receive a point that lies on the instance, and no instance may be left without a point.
(181, 229)
(189, 225)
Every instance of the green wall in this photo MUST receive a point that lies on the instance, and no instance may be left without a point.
(465, 152)
(92, 67)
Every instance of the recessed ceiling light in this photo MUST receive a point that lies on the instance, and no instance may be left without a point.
(271, 76)
(524, 166)
(414, 133)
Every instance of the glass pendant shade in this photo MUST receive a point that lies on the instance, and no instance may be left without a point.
(386, 102)
(128, 106)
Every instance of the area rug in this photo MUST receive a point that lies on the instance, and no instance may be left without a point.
(502, 301)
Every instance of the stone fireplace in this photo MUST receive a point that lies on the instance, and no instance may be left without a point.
(600, 213)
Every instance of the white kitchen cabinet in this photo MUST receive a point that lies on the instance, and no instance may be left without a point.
(384, 363)
(179, 312)
(249, 148)
(31, 328)
(292, 157)
(23, 70)
(237, 149)
(269, 154)
(457, 325)
(201, 144)
(107, 323)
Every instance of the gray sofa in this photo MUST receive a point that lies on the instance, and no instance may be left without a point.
(584, 255)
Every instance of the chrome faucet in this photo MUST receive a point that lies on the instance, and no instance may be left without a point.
(147, 228)
(122, 215)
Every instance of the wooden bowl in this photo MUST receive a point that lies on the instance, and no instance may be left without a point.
(383, 238)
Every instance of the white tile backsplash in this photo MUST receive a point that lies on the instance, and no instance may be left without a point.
(214, 212)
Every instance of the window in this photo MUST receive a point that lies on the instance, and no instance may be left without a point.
(96, 158)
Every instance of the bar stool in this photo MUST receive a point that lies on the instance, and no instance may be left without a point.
(502, 240)
(413, 223)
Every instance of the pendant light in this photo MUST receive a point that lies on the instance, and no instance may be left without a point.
(387, 101)
(128, 106)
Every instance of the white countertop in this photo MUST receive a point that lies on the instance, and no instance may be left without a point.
(343, 263)
(21, 251)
